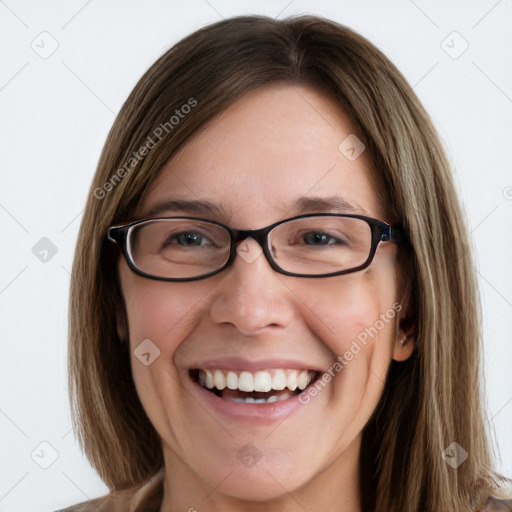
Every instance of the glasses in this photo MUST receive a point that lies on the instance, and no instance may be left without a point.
(311, 245)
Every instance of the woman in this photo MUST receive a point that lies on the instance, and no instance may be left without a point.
(273, 304)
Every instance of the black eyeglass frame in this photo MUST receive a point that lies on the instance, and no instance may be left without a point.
(380, 230)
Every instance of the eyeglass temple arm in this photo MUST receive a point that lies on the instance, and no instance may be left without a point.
(394, 234)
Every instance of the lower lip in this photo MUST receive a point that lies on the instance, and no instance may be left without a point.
(266, 412)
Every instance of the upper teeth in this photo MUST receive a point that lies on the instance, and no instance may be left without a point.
(263, 381)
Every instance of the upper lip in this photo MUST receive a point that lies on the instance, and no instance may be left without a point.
(240, 364)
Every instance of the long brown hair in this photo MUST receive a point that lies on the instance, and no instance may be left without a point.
(429, 401)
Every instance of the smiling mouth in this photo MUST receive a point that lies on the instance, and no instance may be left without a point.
(259, 387)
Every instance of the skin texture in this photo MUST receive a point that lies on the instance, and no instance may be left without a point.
(275, 145)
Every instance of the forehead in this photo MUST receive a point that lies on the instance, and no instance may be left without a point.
(274, 147)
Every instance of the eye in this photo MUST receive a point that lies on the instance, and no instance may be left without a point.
(187, 239)
(320, 238)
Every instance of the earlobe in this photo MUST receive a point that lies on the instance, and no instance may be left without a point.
(405, 330)
(404, 343)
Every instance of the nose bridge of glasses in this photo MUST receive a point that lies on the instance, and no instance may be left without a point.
(247, 251)
(258, 235)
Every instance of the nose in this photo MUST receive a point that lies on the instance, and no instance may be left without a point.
(251, 295)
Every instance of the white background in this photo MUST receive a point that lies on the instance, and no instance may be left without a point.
(54, 117)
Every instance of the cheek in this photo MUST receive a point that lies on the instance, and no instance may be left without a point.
(350, 308)
(160, 317)
(163, 313)
(354, 316)
(363, 325)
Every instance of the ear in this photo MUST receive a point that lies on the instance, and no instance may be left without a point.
(405, 329)
(121, 323)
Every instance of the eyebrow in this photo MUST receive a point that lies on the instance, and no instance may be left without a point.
(188, 206)
(299, 206)
(325, 204)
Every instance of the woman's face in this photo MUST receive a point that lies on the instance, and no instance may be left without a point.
(276, 146)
